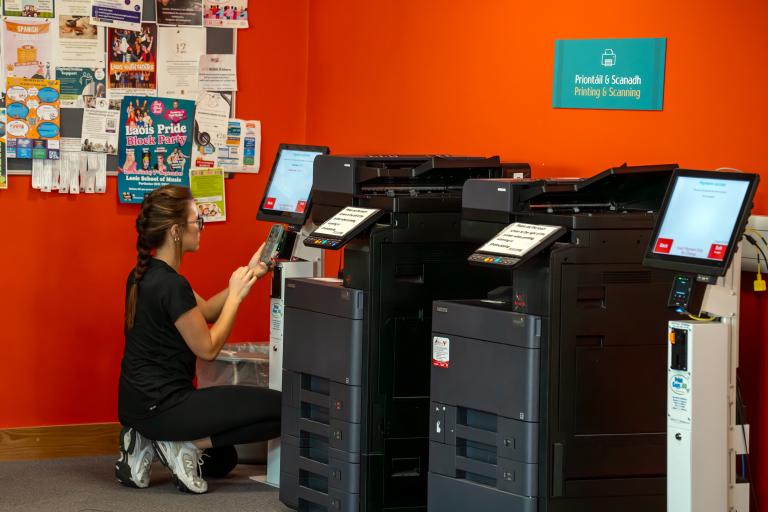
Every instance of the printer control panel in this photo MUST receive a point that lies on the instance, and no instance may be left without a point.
(322, 243)
(493, 260)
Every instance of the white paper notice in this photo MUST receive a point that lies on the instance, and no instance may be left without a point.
(218, 72)
(100, 128)
(345, 221)
(517, 239)
(80, 44)
(178, 61)
(117, 13)
(211, 123)
(75, 7)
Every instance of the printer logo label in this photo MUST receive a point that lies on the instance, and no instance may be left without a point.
(441, 351)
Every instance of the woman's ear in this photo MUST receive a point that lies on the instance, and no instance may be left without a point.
(175, 232)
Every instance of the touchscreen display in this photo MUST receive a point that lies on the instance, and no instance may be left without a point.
(700, 218)
(291, 182)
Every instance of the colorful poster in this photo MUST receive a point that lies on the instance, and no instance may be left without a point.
(80, 44)
(226, 13)
(100, 123)
(178, 61)
(33, 128)
(610, 74)
(3, 156)
(211, 124)
(80, 85)
(218, 72)
(29, 8)
(208, 190)
(242, 150)
(28, 48)
(180, 12)
(154, 145)
(125, 14)
(132, 65)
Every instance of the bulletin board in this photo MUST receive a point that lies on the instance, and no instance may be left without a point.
(218, 41)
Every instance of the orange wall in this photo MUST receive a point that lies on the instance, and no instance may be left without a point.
(65, 259)
(460, 77)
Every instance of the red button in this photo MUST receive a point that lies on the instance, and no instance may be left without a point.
(717, 252)
(269, 203)
(663, 245)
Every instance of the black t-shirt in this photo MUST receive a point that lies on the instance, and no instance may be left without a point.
(158, 367)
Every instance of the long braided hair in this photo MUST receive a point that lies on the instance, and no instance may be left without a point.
(161, 209)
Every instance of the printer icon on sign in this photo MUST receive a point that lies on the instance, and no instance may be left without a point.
(609, 58)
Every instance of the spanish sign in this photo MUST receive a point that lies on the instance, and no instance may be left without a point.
(612, 74)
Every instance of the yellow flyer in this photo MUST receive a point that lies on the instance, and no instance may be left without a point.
(33, 127)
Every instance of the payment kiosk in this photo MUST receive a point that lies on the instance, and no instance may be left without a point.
(698, 233)
(287, 200)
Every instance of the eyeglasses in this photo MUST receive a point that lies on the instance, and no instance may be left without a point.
(200, 221)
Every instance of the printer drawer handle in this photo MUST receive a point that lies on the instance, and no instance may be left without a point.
(314, 427)
(474, 466)
(311, 397)
(476, 434)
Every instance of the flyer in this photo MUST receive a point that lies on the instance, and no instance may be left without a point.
(100, 123)
(74, 7)
(132, 66)
(3, 156)
(80, 44)
(29, 8)
(180, 12)
(177, 62)
(218, 72)
(28, 48)
(208, 190)
(33, 128)
(242, 150)
(125, 14)
(154, 145)
(211, 123)
(80, 85)
(226, 13)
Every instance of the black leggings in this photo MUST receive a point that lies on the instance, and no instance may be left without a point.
(229, 415)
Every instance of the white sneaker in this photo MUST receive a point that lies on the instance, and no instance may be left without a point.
(184, 460)
(135, 462)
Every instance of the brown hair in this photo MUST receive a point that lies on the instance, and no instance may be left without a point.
(161, 209)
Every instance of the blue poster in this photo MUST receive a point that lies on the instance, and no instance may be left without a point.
(80, 86)
(155, 145)
(616, 74)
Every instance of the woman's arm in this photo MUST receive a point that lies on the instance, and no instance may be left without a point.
(211, 308)
(206, 343)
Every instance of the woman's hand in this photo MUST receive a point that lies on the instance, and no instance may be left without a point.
(240, 283)
(259, 268)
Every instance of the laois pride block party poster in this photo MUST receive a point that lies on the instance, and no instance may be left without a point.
(155, 145)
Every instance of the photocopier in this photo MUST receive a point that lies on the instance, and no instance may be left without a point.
(549, 393)
(356, 364)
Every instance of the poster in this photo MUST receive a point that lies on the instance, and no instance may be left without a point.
(132, 66)
(3, 156)
(226, 13)
(33, 128)
(124, 14)
(80, 44)
(80, 85)
(218, 72)
(28, 48)
(211, 124)
(180, 12)
(178, 61)
(208, 190)
(100, 127)
(242, 150)
(29, 8)
(154, 145)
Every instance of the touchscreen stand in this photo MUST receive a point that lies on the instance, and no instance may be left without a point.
(337, 231)
(516, 244)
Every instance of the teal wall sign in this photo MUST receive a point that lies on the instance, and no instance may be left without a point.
(616, 74)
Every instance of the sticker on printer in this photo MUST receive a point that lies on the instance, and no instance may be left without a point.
(441, 351)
